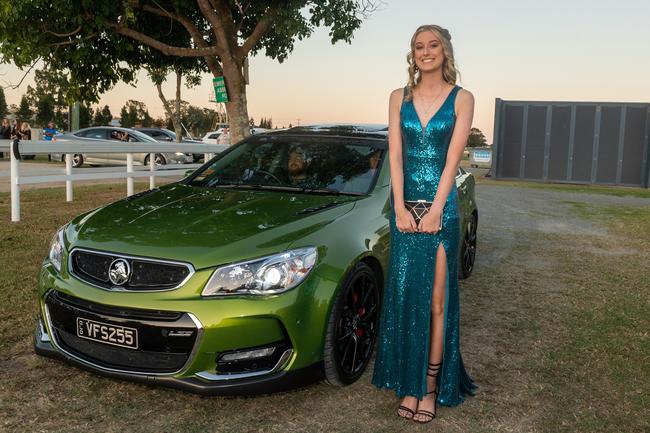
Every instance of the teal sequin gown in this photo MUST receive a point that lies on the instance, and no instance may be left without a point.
(403, 344)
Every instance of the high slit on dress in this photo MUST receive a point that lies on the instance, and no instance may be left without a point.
(404, 328)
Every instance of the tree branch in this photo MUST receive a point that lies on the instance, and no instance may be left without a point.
(63, 35)
(169, 50)
(262, 27)
(15, 86)
(197, 36)
(74, 41)
(216, 23)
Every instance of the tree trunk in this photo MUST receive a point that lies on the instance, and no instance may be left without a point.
(236, 108)
(177, 108)
(168, 109)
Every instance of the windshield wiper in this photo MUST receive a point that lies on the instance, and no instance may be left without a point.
(327, 191)
(305, 190)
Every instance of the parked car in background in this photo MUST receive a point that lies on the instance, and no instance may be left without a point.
(118, 134)
(262, 270)
(217, 137)
(166, 135)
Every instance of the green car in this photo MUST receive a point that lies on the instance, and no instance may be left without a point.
(261, 271)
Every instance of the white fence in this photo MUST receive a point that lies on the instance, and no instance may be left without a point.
(69, 148)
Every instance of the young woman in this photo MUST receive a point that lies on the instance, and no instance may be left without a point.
(429, 122)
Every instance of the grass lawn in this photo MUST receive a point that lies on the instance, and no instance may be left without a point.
(554, 329)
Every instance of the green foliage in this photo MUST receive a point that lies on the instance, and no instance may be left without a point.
(3, 104)
(85, 115)
(134, 113)
(25, 112)
(102, 117)
(44, 110)
(476, 138)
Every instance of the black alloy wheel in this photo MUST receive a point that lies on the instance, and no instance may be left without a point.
(352, 327)
(468, 251)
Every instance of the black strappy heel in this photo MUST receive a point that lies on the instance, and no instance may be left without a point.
(408, 410)
(432, 371)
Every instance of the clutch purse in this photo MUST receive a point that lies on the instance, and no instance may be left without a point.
(419, 209)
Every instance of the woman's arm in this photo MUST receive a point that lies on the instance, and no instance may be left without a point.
(464, 116)
(403, 218)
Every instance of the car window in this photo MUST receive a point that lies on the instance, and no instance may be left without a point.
(92, 133)
(341, 165)
(120, 136)
(214, 136)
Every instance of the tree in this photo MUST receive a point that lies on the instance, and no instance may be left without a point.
(44, 110)
(85, 115)
(101, 43)
(134, 113)
(25, 112)
(103, 117)
(476, 138)
(266, 123)
(3, 104)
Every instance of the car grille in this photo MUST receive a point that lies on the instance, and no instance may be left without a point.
(166, 339)
(93, 267)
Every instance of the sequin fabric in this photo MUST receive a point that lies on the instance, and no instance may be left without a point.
(403, 343)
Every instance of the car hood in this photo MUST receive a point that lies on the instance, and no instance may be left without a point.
(205, 226)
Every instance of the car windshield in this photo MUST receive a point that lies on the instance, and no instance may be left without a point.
(329, 165)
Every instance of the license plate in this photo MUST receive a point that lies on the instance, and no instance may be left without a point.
(107, 334)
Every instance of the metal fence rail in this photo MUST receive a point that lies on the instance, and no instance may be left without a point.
(37, 147)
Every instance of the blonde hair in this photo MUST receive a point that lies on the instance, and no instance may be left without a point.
(449, 71)
(25, 126)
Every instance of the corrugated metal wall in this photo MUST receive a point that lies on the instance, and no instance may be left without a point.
(575, 142)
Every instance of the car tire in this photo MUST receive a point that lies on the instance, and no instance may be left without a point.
(77, 160)
(158, 160)
(468, 248)
(353, 324)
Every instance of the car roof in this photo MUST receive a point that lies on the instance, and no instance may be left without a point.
(365, 130)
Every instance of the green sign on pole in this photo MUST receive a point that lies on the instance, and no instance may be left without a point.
(220, 92)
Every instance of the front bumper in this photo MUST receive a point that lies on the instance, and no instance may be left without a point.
(261, 384)
(296, 319)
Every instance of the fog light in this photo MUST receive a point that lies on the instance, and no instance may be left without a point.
(247, 354)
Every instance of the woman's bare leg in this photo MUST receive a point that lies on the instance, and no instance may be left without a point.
(437, 329)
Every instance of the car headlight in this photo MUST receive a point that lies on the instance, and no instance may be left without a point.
(268, 275)
(57, 249)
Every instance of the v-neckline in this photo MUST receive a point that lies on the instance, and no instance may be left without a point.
(425, 126)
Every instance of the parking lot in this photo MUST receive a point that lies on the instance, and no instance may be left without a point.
(553, 329)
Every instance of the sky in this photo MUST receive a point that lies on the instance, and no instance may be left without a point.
(568, 50)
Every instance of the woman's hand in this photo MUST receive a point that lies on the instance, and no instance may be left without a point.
(405, 221)
(431, 222)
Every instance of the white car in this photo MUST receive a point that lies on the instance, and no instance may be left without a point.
(220, 136)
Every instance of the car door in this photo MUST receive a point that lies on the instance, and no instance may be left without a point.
(93, 134)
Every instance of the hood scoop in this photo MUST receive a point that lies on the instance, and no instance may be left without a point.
(319, 208)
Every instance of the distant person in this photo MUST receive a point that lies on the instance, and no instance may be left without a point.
(418, 351)
(49, 132)
(5, 132)
(26, 131)
(16, 132)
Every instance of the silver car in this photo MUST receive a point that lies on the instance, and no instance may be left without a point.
(117, 134)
